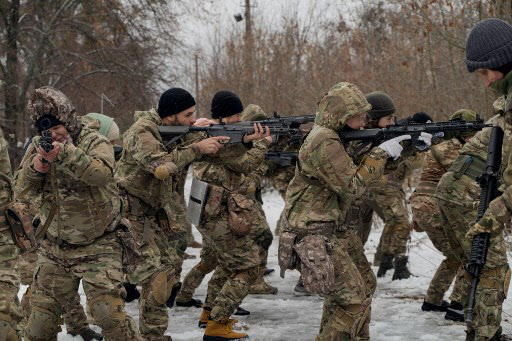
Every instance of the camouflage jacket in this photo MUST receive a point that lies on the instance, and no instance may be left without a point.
(80, 187)
(326, 180)
(6, 194)
(228, 167)
(499, 212)
(143, 152)
(437, 161)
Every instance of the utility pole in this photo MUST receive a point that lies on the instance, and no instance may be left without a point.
(248, 52)
(196, 64)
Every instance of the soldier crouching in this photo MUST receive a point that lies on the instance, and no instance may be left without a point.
(79, 215)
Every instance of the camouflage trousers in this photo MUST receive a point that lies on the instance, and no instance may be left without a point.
(347, 310)
(56, 279)
(10, 311)
(155, 272)
(426, 215)
(195, 276)
(493, 286)
(397, 229)
(239, 260)
(360, 216)
(74, 318)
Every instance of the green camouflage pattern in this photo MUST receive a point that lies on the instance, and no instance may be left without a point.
(10, 310)
(47, 100)
(458, 201)
(253, 112)
(208, 262)
(318, 199)
(56, 280)
(426, 215)
(87, 199)
(323, 186)
(238, 255)
(143, 152)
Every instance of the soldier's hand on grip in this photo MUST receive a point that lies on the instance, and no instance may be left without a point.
(51, 155)
(39, 166)
(259, 133)
(485, 225)
(393, 147)
(211, 145)
(426, 138)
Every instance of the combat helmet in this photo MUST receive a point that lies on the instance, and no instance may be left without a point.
(253, 112)
(466, 115)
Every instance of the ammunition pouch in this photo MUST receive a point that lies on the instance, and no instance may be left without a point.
(240, 218)
(316, 266)
(471, 166)
(287, 256)
(131, 253)
(21, 226)
(198, 196)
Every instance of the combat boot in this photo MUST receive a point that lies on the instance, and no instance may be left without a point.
(242, 312)
(203, 319)
(267, 271)
(386, 263)
(88, 335)
(262, 288)
(222, 331)
(190, 303)
(175, 289)
(426, 306)
(401, 271)
(132, 293)
(455, 312)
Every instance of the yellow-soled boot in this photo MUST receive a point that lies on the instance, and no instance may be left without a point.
(222, 331)
(203, 319)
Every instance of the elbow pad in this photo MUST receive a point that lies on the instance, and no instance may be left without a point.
(164, 171)
(371, 168)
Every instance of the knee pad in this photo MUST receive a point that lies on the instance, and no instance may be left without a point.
(42, 325)
(162, 284)
(7, 332)
(107, 311)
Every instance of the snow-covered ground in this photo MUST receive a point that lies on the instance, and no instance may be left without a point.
(396, 313)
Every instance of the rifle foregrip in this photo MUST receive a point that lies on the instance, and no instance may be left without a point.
(479, 249)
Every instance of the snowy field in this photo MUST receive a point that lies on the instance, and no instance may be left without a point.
(396, 308)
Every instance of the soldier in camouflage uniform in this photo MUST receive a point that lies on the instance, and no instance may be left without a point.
(458, 192)
(425, 213)
(10, 310)
(251, 185)
(228, 221)
(318, 198)
(74, 318)
(147, 173)
(80, 212)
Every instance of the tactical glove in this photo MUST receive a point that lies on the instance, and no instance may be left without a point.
(392, 147)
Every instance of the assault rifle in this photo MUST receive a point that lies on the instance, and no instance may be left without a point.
(437, 129)
(283, 158)
(488, 182)
(278, 126)
(46, 137)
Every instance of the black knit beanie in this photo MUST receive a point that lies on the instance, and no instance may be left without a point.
(489, 45)
(421, 117)
(174, 101)
(225, 104)
(46, 122)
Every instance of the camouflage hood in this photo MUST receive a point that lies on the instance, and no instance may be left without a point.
(150, 115)
(48, 100)
(253, 112)
(343, 101)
